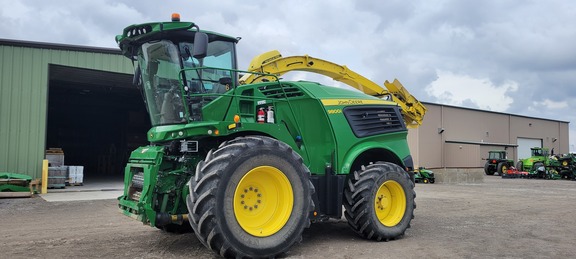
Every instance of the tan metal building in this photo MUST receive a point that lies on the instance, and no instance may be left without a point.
(456, 137)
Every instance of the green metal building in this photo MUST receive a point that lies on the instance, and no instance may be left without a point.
(76, 98)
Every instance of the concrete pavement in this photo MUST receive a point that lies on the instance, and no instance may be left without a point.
(90, 190)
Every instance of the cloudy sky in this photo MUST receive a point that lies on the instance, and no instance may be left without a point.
(513, 56)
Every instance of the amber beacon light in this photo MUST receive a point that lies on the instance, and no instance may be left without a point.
(175, 17)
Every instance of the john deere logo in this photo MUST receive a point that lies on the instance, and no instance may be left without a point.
(345, 102)
(349, 102)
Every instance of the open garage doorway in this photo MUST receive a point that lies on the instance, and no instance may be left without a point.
(97, 118)
(525, 145)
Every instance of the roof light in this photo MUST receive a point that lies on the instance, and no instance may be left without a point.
(175, 17)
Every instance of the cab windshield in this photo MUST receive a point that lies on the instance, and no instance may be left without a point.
(172, 101)
(539, 152)
(496, 155)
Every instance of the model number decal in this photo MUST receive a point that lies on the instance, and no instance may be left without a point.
(334, 111)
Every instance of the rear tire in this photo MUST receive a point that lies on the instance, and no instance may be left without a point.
(502, 168)
(487, 170)
(252, 197)
(379, 201)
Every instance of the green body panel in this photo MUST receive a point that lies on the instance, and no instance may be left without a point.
(13, 188)
(15, 176)
(346, 146)
(162, 188)
(349, 147)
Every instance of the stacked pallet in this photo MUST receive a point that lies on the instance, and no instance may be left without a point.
(55, 157)
(59, 174)
(75, 175)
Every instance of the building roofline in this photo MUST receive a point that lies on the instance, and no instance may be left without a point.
(58, 46)
(503, 113)
(481, 143)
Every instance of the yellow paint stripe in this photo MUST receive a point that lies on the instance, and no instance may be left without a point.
(339, 102)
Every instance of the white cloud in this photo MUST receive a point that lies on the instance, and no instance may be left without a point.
(549, 104)
(454, 89)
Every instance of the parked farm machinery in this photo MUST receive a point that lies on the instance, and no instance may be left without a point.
(497, 162)
(423, 175)
(545, 165)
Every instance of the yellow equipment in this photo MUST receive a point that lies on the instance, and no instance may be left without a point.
(273, 63)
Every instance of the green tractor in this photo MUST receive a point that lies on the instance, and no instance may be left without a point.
(497, 162)
(249, 166)
(540, 164)
(423, 175)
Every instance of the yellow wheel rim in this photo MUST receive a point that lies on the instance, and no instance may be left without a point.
(263, 201)
(564, 163)
(390, 203)
(504, 169)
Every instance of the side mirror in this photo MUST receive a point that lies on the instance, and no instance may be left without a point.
(200, 45)
(225, 81)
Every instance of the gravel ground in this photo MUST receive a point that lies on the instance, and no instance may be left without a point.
(499, 218)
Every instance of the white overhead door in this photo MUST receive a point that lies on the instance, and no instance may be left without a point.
(524, 146)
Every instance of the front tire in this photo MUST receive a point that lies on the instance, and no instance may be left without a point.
(519, 166)
(250, 198)
(379, 201)
(539, 174)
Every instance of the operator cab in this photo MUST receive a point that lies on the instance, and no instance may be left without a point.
(179, 68)
(496, 155)
(539, 152)
(168, 72)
